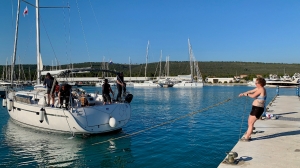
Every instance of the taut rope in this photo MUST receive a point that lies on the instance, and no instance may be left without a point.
(167, 122)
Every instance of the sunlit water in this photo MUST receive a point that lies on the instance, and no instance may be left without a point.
(198, 140)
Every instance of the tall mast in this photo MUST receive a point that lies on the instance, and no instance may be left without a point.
(19, 70)
(38, 49)
(130, 69)
(6, 75)
(191, 59)
(15, 44)
(3, 77)
(168, 59)
(160, 64)
(29, 75)
(146, 60)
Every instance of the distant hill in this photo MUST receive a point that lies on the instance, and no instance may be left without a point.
(218, 69)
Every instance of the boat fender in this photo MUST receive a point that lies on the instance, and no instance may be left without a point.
(112, 122)
(42, 113)
(4, 102)
(9, 104)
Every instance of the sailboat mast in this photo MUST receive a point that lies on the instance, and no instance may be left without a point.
(38, 49)
(160, 64)
(3, 77)
(29, 75)
(191, 61)
(19, 70)
(6, 75)
(15, 44)
(130, 69)
(146, 60)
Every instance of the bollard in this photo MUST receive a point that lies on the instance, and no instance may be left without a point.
(277, 90)
(297, 91)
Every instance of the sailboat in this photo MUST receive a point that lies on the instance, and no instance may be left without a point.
(83, 113)
(193, 66)
(146, 83)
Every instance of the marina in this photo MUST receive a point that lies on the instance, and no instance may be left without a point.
(178, 143)
(70, 98)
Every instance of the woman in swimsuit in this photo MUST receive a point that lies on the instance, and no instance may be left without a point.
(259, 94)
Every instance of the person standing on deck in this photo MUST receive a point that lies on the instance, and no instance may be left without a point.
(48, 82)
(260, 95)
(121, 85)
(105, 92)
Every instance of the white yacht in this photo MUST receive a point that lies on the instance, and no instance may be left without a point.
(284, 81)
(188, 84)
(146, 84)
(193, 65)
(81, 113)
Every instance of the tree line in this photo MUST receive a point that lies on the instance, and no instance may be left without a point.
(207, 69)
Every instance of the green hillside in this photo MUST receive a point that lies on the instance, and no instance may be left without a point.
(218, 69)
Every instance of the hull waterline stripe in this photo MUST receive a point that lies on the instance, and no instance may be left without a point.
(45, 113)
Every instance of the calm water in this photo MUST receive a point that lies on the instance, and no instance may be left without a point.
(200, 140)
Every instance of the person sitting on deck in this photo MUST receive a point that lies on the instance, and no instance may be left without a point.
(64, 94)
(105, 92)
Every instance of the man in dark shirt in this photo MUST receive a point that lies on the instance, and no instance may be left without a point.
(64, 94)
(105, 92)
(48, 82)
(121, 85)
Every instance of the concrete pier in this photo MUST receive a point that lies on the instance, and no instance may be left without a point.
(275, 142)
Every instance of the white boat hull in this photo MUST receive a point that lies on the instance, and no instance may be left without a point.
(282, 83)
(146, 84)
(77, 120)
(187, 85)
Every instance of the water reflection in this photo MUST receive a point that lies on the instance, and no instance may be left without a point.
(30, 147)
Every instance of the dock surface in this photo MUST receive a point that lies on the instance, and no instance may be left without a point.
(275, 142)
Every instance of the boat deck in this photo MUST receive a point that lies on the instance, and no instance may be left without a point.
(275, 143)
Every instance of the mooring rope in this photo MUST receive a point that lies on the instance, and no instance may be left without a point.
(164, 123)
(246, 101)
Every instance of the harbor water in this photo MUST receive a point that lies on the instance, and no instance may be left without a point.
(159, 134)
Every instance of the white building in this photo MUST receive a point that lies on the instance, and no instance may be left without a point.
(220, 80)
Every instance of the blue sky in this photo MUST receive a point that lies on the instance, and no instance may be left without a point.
(219, 30)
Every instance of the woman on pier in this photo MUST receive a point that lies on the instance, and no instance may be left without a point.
(259, 94)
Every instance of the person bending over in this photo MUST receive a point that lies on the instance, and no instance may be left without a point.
(64, 94)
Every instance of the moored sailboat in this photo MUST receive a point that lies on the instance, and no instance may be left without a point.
(80, 113)
(193, 66)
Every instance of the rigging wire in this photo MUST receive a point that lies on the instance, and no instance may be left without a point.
(164, 123)
(83, 32)
(246, 101)
(49, 40)
(94, 15)
(66, 39)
